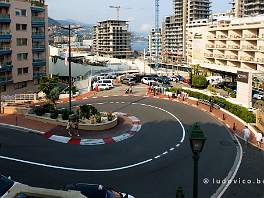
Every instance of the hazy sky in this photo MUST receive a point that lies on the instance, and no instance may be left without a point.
(140, 13)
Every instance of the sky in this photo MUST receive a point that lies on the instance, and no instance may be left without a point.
(139, 13)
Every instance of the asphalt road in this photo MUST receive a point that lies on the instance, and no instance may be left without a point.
(169, 162)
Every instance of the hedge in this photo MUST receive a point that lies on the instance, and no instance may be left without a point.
(237, 110)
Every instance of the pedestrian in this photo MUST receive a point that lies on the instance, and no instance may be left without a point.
(259, 139)
(76, 126)
(246, 135)
(130, 89)
(68, 127)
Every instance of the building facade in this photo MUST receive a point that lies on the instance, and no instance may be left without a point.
(111, 38)
(248, 7)
(152, 46)
(175, 27)
(23, 45)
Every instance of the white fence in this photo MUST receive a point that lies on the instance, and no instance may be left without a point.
(19, 98)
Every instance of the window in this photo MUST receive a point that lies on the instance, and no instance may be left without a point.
(21, 41)
(21, 12)
(22, 56)
(3, 88)
(19, 71)
(25, 70)
(20, 85)
(21, 27)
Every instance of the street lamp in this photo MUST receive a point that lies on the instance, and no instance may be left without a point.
(197, 141)
(69, 28)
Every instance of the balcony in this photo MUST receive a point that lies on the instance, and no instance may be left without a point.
(249, 48)
(250, 36)
(208, 55)
(219, 56)
(38, 48)
(38, 35)
(39, 75)
(38, 21)
(233, 47)
(247, 58)
(260, 60)
(5, 51)
(222, 37)
(5, 36)
(37, 6)
(221, 46)
(261, 48)
(234, 37)
(4, 3)
(5, 18)
(5, 80)
(39, 62)
(231, 57)
(6, 66)
(210, 46)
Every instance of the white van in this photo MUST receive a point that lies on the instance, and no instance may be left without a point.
(214, 80)
(108, 82)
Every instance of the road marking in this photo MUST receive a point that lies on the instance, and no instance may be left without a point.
(75, 169)
(165, 153)
(157, 157)
(61, 139)
(172, 149)
(177, 145)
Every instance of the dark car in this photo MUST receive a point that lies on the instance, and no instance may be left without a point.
(163, 80)
(95, 191)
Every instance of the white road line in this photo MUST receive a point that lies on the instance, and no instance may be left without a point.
(177, 145)
(157, 157)
(165, 153)
(76, 169)
(172, 149)
(61, 139)
(105, 96)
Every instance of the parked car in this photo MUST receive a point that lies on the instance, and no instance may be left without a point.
(163, 80)
(109, 82)
(96, 191)
(258, 96)
(148, 80)
(129, 81)
(174, 78)
(101, 86)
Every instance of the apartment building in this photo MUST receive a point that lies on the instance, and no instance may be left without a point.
(175, 27)
(23, 45)
(248, 7)
(152, 46)
(111, 38)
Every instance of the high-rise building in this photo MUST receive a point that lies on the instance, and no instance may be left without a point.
(23, 44)
(111, 38)
(248, 7)
(175, 27)
(152, 46)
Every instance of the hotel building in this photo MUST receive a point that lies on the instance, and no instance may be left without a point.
(23, 45)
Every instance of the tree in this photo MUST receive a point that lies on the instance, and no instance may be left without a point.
(47, 84)
(199, 81)
(54, 95)
(196, 69)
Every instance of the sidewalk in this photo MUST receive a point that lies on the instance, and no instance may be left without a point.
(231, 122)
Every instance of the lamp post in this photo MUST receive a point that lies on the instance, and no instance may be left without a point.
(69, 28)
(197, 140)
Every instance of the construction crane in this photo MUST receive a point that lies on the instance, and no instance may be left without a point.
(157, 33)
(117, 10)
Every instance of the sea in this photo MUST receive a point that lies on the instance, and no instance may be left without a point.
(139, 45)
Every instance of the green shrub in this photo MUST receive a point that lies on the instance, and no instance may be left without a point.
(199, 81)
(48, 108)
(237, 110)
(54, 115)
(39, 111)
(110, 116)
(98, 118)
(66, 113)
(86, 111)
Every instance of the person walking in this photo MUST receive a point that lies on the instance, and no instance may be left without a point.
(246, 135)
(259, 139)
(68, 127)
(76, 126)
